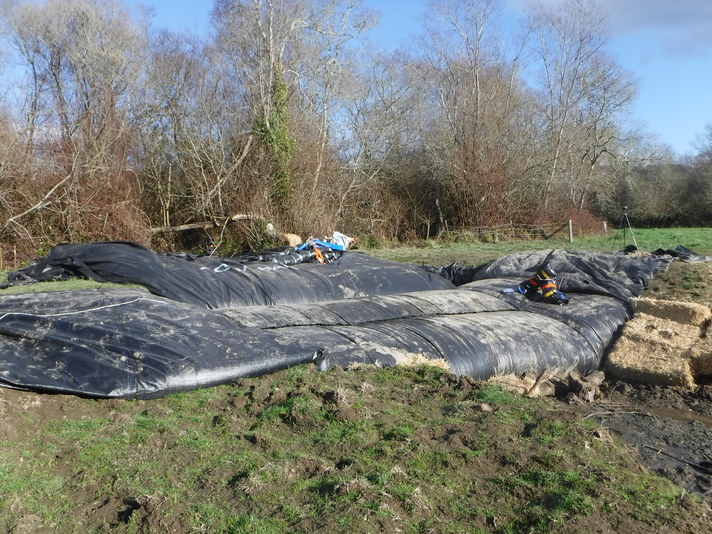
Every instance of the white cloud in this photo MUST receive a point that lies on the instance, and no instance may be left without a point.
(680, 26)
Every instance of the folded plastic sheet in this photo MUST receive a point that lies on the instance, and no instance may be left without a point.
(265, 279)
(683, 254)
(618, 275)
(132, 344)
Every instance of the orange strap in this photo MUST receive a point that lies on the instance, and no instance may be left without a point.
(548, 289)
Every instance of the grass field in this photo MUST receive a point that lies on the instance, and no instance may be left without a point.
(412, 450)
(435, 253)
(368, 450)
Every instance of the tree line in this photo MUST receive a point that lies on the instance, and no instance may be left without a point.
(283, 114)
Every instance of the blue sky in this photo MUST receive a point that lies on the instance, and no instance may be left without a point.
(665, 44)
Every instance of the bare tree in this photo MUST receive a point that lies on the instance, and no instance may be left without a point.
(326, 72)
(700, 193)
(188, 115)
(473, 80)
(598, 136)
(256, 37)
(83, 58)
(290, 59)
(583, 94)
(383, 190)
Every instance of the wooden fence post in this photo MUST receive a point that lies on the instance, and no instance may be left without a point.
(571, 231)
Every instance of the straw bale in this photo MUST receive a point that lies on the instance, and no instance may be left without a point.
(416, 360)
(650, 362)
(513, 383)
(689, 313)
(644, 328)
(701, 355)
(524, 384)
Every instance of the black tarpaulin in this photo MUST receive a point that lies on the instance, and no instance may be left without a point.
(683, 254)
(249, 280)
(616, 275)
(133, 344)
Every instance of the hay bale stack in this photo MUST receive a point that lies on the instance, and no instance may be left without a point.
(655, 350)
(701, 355)
(650, 362)
(687, 313)
(673, 335)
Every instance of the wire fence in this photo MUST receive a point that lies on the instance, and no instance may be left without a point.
(509, 232)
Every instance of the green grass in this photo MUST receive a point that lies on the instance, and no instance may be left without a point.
(64, 285)
(435, 253)
(252, 457)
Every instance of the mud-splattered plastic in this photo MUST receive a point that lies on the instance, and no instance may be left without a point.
(260, 279)
(193, 331)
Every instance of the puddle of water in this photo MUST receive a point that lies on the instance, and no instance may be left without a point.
(679, 415)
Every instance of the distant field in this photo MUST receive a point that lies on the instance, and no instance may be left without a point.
(434, 253)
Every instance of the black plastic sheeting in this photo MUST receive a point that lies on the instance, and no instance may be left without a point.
(267, 279)
(133, 344)
(616, 275)
(683, 254)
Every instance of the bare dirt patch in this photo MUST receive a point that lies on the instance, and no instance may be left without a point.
(670, 428)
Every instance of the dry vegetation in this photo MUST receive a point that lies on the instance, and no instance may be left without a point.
(120, 130)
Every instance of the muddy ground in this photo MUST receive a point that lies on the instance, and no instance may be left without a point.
(670, 428)
(664, 442)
